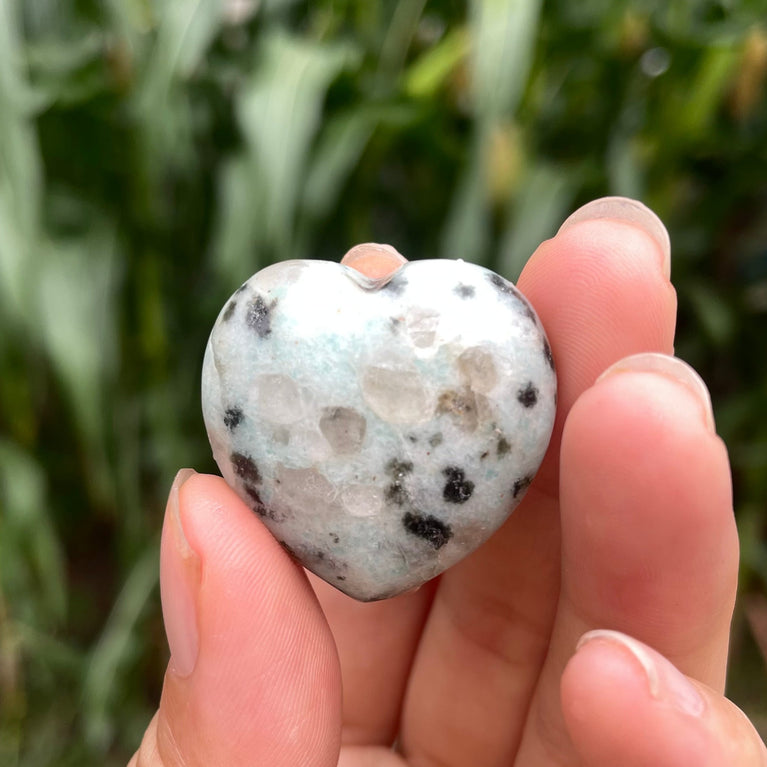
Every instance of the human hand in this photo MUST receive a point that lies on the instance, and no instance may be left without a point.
(628, 528)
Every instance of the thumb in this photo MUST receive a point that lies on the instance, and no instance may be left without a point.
(253, 676)
(626, 704)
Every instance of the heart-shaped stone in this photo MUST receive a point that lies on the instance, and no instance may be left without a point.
(381, 430)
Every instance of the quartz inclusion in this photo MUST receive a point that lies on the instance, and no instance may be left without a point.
(382, 432)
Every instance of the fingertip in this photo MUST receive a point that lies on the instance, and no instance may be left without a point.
(640, 397)
(587, 681)
(612, 716)
(601, 292)
(624, 703)
(210, 509)
(205, 488)
(628, 212)
(673, 368)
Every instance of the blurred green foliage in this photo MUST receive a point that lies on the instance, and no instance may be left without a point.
(155, 153)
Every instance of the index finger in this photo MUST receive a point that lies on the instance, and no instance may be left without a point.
(602, 290)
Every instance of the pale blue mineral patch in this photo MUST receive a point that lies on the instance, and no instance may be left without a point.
(382, 433)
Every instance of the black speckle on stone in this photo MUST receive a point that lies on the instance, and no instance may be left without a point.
(501, 285)
(432, 530)
(259, 316)
(395, 323)
(334, 537)
(547, 354)
(502, 447)
(340, 577)
(233, 418)
(507, 289)
(255, 496)
(412, 438)
(317, 559)
(484, 455)
(229, 311)
(289, 549)
(397, 493)
(399, 469)
(528, 396)
(245, 468)
(457, 489)
(464, 291)
(257, 504)
(436, 439)
(525, 304)
(520, 486)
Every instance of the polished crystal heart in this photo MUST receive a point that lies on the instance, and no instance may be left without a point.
(382, 430)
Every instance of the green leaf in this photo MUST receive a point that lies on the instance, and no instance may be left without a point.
(753, 547)
(30, 554)
(340, 145)
(625, 167)
(131, 17)
(185, 30)
(714, 314)
(504, 34)
(114, 651)
(279, 112)
(75, 293)
(399, 36)
(20, 169)
(69, 74)
(270, 6)
(466, 232)
(17, 262)
(428, 73)
(235, 249)
(699, 100)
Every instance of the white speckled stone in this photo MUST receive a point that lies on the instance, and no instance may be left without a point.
(381, 433)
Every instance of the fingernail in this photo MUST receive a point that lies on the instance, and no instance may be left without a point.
(179, 583)
(373, 264)
(632, 212)
(665, 682)
(671, 367)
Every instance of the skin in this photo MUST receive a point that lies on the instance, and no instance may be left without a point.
(627, 527)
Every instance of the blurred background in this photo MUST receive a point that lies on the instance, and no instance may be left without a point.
(156, 153)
